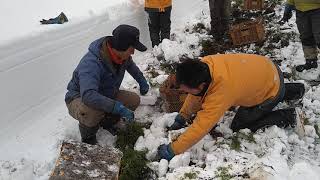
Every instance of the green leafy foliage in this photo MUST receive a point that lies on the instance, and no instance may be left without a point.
(134, 166)
(128, 137)
(223, 173)
(190, 175)
(235, 143)
(133, 163)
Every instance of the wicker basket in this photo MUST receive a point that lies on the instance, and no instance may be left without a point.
(253, 4)
(173, 97)
(247, 32)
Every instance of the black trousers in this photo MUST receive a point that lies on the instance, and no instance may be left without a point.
(159, 26)
(220, 15)
(308, 23)
(262, 115)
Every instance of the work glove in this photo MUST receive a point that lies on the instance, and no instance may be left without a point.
(124, 112)
(287, 14)
(144, 87)
(165, 152)
(179, 123)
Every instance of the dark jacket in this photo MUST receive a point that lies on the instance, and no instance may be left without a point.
(96, 81)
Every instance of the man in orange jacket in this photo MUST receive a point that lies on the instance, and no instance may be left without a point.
(218, 82)
(159, 12)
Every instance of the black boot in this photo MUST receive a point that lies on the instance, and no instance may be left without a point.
(293, 91)
(310, 63)
(88, 134)
(281, 118)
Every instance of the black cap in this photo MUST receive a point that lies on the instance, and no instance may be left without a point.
(125, 36)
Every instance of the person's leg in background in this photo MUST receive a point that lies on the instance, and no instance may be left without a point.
(315, 20)
(154, 27)
(225, 17)
(215, 15)
(165, 24)
(304, 22)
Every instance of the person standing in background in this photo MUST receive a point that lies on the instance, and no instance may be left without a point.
(159, 13)
(308, 22)
(220, 16)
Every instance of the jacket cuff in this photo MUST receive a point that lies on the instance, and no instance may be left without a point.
(170, 150)
(180, 119)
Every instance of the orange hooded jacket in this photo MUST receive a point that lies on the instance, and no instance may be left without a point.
(237, 80)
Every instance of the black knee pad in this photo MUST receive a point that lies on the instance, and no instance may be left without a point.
(294, 91)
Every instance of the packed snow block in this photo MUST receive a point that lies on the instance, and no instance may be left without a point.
(247, 32)
(172, 96)
(253, 4)
(83, 161)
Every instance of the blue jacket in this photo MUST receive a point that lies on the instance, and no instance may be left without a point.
(96, 81)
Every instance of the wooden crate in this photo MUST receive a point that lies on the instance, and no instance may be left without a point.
(82, 161)
(253, 4)
(247, 32)
(173, 97)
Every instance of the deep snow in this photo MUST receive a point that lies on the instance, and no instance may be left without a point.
(36, 64)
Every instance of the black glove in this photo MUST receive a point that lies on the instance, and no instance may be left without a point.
(179, 123)
(144, 87)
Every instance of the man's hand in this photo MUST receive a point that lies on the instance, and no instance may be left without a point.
(165, 152)
(287, 14)
(179, 123)
(144, 87)
(124, 112)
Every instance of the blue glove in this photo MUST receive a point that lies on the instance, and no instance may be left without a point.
(144, 87)
(124, 112)
(179, 123)
(287, 14)
(165, 152)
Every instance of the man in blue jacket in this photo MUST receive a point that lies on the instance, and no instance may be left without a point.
(93, 96)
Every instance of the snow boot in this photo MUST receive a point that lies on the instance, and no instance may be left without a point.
(310, 63)
(88, 134)
(293, 91)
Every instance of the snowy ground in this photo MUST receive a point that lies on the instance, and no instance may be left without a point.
(35, 69)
